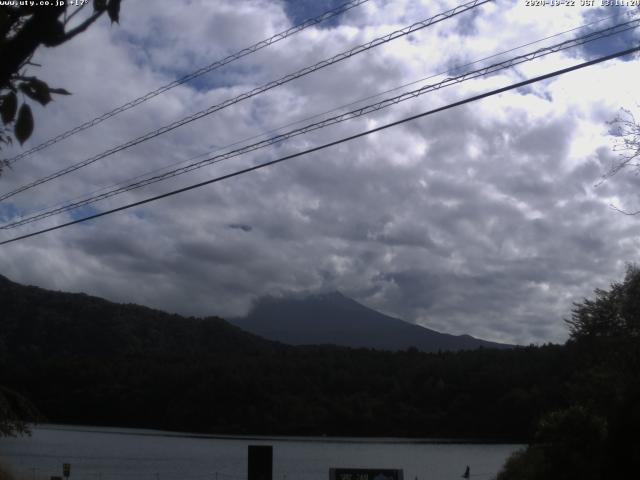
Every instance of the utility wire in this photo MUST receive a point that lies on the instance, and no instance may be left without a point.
(256, 91)
(451, 71)
(597, 35)
(187, 78)
(336, 142)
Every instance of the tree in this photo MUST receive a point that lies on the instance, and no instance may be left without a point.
(569, 444)
(614, 313)
(627, 131)
(24, 28)
(16, 412)
(595, 435)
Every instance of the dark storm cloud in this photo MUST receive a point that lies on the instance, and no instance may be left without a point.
(301, 10)
(605, 17)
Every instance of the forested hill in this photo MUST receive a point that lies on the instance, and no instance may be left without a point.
(332, 318)
(54, 324)
(84, 360)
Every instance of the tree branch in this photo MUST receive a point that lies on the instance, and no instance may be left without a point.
(624, 212)
(76, 30)
(31, 35)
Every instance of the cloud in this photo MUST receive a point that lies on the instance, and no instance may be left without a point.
(482, 219)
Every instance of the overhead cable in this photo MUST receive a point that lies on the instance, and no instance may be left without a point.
(256, 91)
(187, 78)
(331, 144)
(491, 69)
(450, 71)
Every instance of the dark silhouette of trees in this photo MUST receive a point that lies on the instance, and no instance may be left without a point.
(15, 413)
(613, 313)
(596, 435)
(24, 28)
(84, 360)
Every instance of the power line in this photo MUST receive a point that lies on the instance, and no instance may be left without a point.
(256, 91)
(336, 142)
(572, 43)
(187, 78)
(67, 203)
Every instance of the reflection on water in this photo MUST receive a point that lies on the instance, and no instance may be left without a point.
(113, 454)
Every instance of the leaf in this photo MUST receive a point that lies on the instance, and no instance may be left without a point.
(113, 10)
(52, 33)
(9, 107)
(37, 90)
(24, 124)
(41, 90)
(59, 91)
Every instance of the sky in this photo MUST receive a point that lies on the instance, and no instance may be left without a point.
(486, 219)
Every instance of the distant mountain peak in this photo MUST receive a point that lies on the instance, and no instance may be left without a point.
(333, 318)
(306, 296)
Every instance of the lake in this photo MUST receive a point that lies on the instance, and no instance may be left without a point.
(113, 454)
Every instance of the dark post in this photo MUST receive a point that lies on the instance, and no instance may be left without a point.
(260, 462)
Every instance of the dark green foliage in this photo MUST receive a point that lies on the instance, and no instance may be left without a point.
(36, 90)
(113, 10)
(5, 139)
(573, 441)
(23, 29)
(526, 464)
(596, 437)
(9, 107)
(15, 413)
(24, 124)
(614, 313)
(84, 360)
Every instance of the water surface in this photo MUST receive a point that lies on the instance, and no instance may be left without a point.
(114, 454)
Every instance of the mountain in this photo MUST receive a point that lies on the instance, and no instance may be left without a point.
(334, 319)
(84, 360)
(57, 324)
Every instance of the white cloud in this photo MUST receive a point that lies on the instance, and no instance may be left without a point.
(482, 219)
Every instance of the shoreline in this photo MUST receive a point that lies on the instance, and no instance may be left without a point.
(147, 432)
